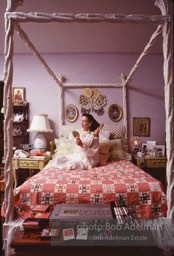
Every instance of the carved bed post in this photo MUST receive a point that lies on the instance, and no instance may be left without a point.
(8, 138)
(123, 78)
(60, 108)
(8, 110)
(168, 90)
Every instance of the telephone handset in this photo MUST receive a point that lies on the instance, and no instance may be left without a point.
(21, 153)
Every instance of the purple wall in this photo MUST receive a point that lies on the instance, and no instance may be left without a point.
(145, 91)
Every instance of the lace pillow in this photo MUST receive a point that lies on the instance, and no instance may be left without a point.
(64, 147)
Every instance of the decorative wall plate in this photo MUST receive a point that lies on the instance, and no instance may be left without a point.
(115, 112)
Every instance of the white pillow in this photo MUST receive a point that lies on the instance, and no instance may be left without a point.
(104, 135)
(64, 147)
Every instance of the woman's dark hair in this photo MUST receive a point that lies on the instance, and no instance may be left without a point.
(94, 123)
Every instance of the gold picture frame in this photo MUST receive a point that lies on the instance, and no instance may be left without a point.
(71, 113)
(18, 95)
(115, 112)
(141, 126)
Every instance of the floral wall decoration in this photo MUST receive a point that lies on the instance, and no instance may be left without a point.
(92, 100)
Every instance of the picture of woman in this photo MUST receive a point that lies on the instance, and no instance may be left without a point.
(18, 95)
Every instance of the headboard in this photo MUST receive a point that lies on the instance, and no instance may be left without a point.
(117, 131)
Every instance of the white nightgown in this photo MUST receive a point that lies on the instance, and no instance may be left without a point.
(82, 158)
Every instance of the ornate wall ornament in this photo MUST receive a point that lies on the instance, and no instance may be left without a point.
(92, 100)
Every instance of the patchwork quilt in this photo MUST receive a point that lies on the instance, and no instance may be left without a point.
(144, 195)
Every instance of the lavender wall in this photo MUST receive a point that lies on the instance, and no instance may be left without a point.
(145, 91)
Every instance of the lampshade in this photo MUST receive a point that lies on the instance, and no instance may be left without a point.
(40, 124)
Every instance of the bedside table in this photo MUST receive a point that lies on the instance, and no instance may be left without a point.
(28, 163)
(155, 166)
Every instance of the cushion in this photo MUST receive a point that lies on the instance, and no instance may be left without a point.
(117, 144)
(64, 147)
(103, 159)
(117, 149)
(117, 154)
(104, 147)
(104, 135)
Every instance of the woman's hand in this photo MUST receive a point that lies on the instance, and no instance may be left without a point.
(79, 142)
(96, 132)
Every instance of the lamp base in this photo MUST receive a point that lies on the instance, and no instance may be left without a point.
(40, 142)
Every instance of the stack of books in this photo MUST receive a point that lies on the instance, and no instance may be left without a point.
(37, 154)
(34, 224)
(39, 219)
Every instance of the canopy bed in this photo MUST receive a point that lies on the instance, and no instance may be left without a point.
(12, 23)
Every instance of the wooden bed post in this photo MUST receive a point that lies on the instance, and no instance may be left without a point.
(123, 78)
(60, 108)
(168, 90)
(8, 125)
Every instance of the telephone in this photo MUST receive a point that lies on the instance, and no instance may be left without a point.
(21, 153)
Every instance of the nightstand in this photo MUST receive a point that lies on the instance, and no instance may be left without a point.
(155, 166)
(28, 163)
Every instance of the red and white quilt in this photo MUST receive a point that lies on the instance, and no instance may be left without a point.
(144, 195)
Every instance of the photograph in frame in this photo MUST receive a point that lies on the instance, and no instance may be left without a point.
(71, 113)
(115, 112)
(160, 150)
(141, 126)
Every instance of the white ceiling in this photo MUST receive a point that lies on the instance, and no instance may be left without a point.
(76, 37)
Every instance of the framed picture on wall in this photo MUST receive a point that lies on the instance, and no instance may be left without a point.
(141, 126)
(115, 112)
(18, 95)
(71, 113)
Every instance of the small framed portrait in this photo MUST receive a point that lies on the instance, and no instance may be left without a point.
(18, 95)
(159, 150)
(141, 126)
(17, 131)
(115, 112)
(71, 113)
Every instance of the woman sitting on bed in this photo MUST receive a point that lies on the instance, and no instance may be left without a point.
(86, 154)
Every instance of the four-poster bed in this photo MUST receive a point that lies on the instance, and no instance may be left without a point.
(12, 22)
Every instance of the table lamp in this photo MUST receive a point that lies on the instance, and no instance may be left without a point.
(40, 124)
(136, 144)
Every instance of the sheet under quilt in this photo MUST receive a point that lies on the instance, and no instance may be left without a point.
(144, 195)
